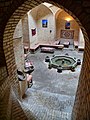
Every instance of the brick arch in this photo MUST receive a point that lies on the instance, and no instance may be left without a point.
(81, 109)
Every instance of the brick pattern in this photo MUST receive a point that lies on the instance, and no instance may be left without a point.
(5, 104)
(10, 14)
(82, 106)
(3, 74)
(16, 110)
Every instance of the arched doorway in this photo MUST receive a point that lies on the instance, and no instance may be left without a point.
(80, 104)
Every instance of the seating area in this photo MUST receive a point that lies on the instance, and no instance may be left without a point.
(80, 48)
(34, 48)
(47, 49)
(53, 46)
(76, 44)
(66, 44)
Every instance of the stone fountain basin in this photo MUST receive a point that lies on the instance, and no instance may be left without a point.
(65, 62)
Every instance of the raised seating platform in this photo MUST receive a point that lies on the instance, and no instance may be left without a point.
(47, 49)
(80, 48)
(66, 44)
(53, 46)
(76, 44)
(26, 49)
(33, 49)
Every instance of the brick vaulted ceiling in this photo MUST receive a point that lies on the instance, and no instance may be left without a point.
(10, 13)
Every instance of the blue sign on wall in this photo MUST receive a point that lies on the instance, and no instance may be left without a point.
(67, 25)
(44, 23)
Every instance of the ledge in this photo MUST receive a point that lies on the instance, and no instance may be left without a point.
(80, 48)
(76, 44)
(33, 49)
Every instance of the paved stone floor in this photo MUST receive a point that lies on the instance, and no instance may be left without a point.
(52, 95)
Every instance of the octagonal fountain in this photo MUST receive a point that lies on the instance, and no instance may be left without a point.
(63, 62)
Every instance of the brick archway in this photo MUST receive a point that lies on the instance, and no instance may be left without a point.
(13, 15)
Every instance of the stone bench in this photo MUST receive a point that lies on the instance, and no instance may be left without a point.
(47, 49)
(26, 49)
(80, 48)
(53, 46)
(76, 44)
(34, 48)
(66, 44)
(57, 42)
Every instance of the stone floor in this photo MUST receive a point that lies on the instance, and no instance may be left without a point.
(52, 95)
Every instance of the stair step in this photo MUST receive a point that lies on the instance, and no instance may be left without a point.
(46, 114)
(42, 105)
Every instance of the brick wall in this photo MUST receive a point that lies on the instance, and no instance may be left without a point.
(7, 43)
(10, 14)
(81, 108)
(3, 74)
(16, 110)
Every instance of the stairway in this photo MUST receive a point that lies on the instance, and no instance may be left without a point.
(42, 105)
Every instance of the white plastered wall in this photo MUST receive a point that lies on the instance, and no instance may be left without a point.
(81, 39)
(35, 17)
(18, 46)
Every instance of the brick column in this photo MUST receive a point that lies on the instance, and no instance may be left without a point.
(81, 110)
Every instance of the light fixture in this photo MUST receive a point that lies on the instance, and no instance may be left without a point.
(68, 19)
